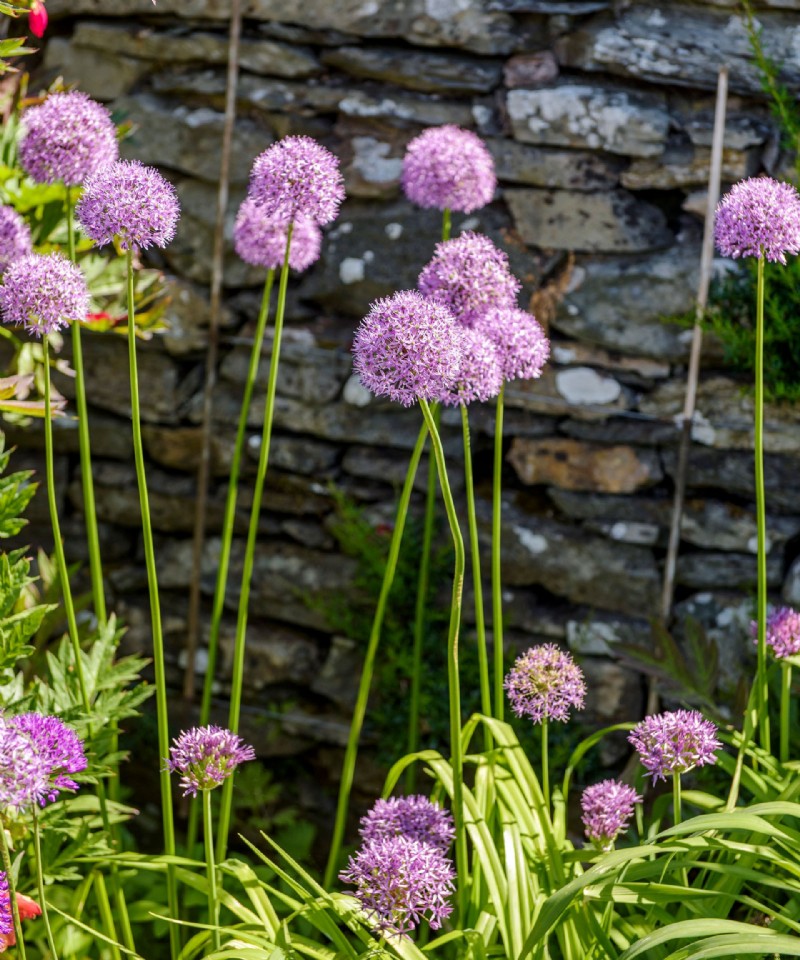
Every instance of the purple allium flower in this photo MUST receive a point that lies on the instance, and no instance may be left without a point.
(407, 348)
(469, 276)
(783, 632)
(6, 914)
(67, 138)
(15, 237)
(43, 292)
(398, 880)
(544, 683)
(759, 217)
(205, 756)
(415, 817)
(57, 746)
(297, 177)
(675, 742)
(130, 201)
(24, 776)
(261, 241)
(447, 167)
(607, 808)
(522, 346)
(480, 376)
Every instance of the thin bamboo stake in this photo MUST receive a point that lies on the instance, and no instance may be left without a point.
(203, 467)
(707, 256)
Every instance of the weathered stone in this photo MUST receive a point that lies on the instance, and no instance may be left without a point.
(530, 69)
(746, 125)
(565, 353)
(790, 592)
(617, 302)
(598, 635)
(178, 448)
(428, 72)
(187, 139)
(274, 654)
(103, 75)
(639, 431)
(706, 570)
(543, 167)
(684, 165)
(340, 673)
(360, 103)
(614, 694)
(543, 396)
(561, 7)
(598, 117)
(583, 385)
(371, 156)
(186, 317)
(611, 222)
(573, 465)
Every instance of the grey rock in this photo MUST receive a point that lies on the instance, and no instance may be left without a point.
(790, 591)
(530, 69)
(339, 676)
(706, 570)
(610, 222)
(685, 165)
(186, 317)
(371, 156)
(562, 7)
(275, 654)
(543, 396)
(642, 431)
(568, 352)
(596, 636)
(615, 694)
(543, 167)
(103, 75)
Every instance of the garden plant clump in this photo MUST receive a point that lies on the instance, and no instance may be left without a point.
(484, 856)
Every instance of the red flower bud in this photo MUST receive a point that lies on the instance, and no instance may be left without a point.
(37, 18)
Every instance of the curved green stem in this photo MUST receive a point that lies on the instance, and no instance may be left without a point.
(237, 678)
(360, 709)
(12, 892)
(446, 223)
(761, 516)
(456, 758)
(104, 906)
(786, 707)
(155, 615)
(37, 844)
(475, 553)
(497, 584)
(546, 766)
(211, 868)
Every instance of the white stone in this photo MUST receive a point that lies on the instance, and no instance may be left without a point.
(582, 385)
(373, 162)
(702, 431)
(533, 542)
(393, 230)
(351, 270)
(355, 393)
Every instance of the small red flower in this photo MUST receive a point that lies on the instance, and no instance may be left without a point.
(27, 910)
(37, 18)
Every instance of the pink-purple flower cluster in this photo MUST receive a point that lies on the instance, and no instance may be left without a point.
(38, 756)
(297, 177)
(43, 292)
(522, 346)
(15, 237)
(260, 240)
(67, 138)
(607, 808)
(544, 684)
(759, 217)
(675, 742)
(131, 203)
(6, 913)
(479, 376)
(415, 817)
(783, 632)
(206, 756)
(448, 168)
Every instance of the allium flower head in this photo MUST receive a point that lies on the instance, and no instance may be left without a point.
(674, 742)
(415, 817)
(15, 237)
(760, 216)
(6, 915)
(480, 376)
(43, 293)
(261, 241)
(448, 168)
(129, 201)
(297, 177)
(205, 756)
(67, 138)
(399, 881)
(38, 755)
(607, 809)
(407, 348)
(544, 683)
(469, 276)
(783, 632)
(522, 346)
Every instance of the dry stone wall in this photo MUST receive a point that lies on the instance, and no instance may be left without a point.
(599, 116)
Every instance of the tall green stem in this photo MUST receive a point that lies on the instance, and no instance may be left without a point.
(475, 554)
(12, 892)
(786, 707)
(87, 480)
(676, 798)
(155, 615)
(237, 678)
(37, 844)
(761, 516)
(497, 584)
(546, 766)
(211, 867)
(360, 709)
(456, 758)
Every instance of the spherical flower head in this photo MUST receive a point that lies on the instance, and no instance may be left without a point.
(297, 177)
(522, 346)
(469, 276)
(675, 742)
(131, 202)
(399, 881)
(607, 809)
(67, 138)
(43, 292)
(759, 217)
(448, 168)
(261, 241)
(43, 754)
(783, 632)
(15, 237)
(24, 775)
(407, 348)
(6, 915)
(479, 375)
(415, 817)
(206, 756)
(544, 683)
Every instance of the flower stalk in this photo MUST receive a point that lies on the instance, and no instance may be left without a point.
(762, 684)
